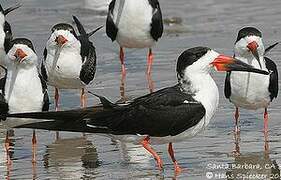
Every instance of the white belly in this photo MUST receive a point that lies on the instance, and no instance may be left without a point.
(249, 90)
(134, 24)
(64, 72)
(24, 92)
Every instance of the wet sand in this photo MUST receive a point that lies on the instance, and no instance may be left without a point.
(209, 23)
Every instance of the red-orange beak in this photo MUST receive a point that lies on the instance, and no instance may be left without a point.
(227, 63)
(60, 40)
(20, 54)
(253, 47)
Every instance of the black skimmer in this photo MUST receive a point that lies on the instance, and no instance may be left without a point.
(24, 88)
(5, 32)
(70, 59)
(250, 90)
(134, 24)
(168, 115)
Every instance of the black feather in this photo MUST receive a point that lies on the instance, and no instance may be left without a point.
(227, 85)
(111, 29)
(273, 81)
(157, 22)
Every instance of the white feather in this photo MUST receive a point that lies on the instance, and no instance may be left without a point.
(63, 64)
(249, 90)
(133, 21)
(23, 89)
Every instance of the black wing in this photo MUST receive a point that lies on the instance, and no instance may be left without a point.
(4, 107)
(8, 36)
(88, 69)
(69, 120)
(227, 85)
(3, 80)
(43, 73)
(165, 112)
(87, 52)
(157, 22)
(46, 102)
(273, 82)
(111, 29)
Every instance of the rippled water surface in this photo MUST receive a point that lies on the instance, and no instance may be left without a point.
(212, 23)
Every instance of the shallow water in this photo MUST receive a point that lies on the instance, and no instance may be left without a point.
(210, 23)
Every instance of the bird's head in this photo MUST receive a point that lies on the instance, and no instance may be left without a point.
(63, 35)
(249, 44)
(22, 53)
(201, 59)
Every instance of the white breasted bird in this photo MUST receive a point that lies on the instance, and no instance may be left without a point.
(134, 24)
(169, 115)
(250, 90)
(24, 89)
(70, 59)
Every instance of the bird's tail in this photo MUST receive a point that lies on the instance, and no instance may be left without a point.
(270, 47)
(82, 30)
(96, 119)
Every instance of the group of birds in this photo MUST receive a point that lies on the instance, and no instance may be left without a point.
(169, 115)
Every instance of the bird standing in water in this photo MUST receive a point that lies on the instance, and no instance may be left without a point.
(24, 89)
(169, 115)
(250, 90)
(70, 59)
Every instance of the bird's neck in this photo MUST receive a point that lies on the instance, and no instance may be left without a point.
(204, 90)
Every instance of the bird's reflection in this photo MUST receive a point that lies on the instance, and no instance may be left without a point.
(8, 152)
(266, 142)
(252, 165)
(122, 89)
(68, 157)
(237, 139)
(124, 99)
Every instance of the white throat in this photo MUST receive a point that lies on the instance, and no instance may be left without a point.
(198, 81)
(242, 53)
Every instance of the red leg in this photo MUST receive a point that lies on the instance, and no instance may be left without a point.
(7, 148)
(83, 98)
(122, 88)
(57, 107)
(34, 145)
(150, 83)
(145, 144)
(236, 120)
(266, 145)
(172, 155)
(265, 118)
(149, 61)
(56, 99)
(122, 58)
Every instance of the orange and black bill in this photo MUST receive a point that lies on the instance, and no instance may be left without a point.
(227, 63)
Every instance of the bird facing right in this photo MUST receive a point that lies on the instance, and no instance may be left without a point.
(169, 115)
(250, 90)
